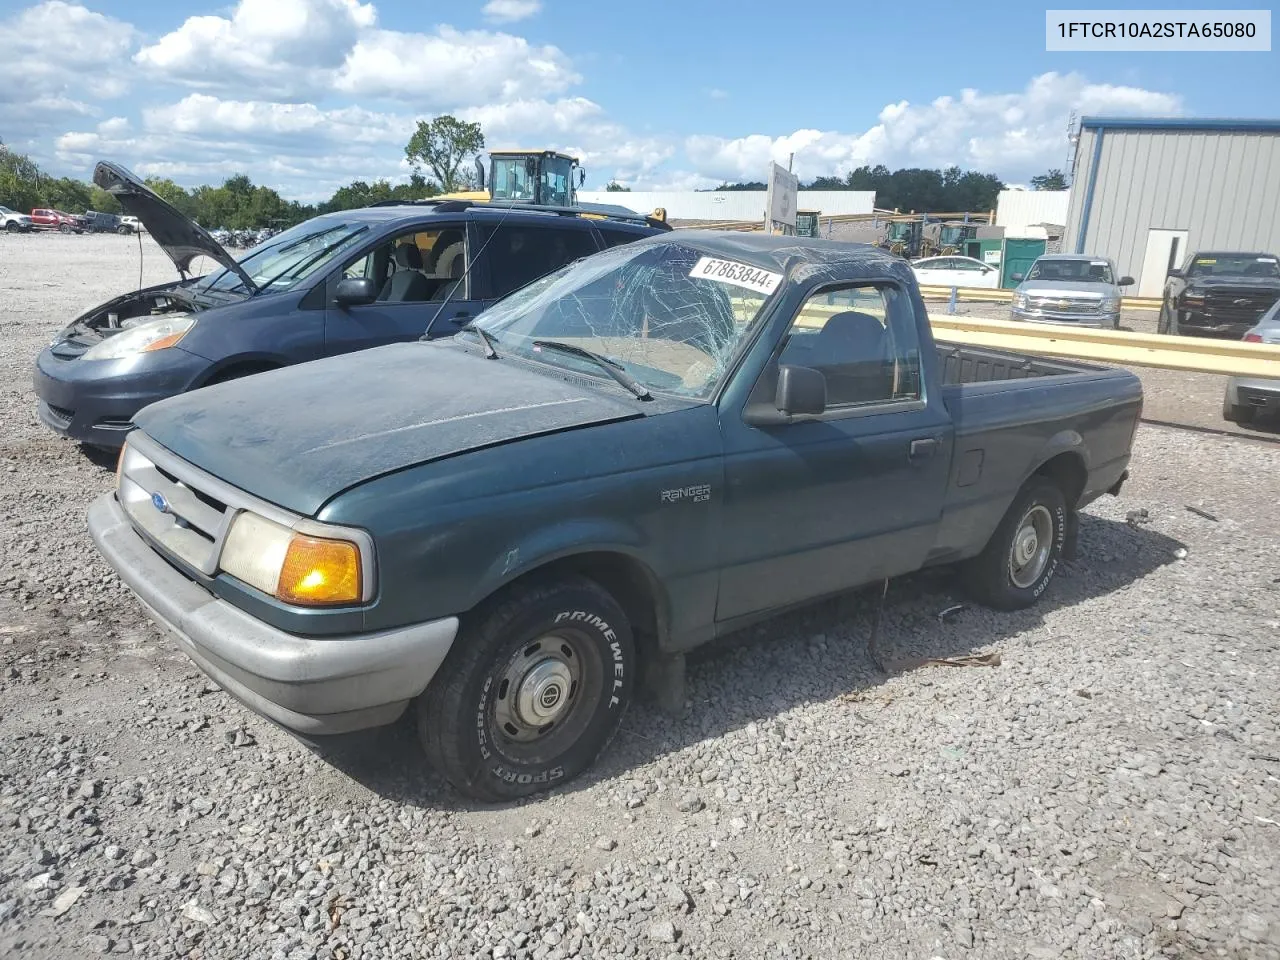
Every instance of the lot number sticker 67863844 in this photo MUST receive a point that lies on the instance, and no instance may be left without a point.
(738, 274)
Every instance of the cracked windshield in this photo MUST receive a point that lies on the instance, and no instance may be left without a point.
(667, 314)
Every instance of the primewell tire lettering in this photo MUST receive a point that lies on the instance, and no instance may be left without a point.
(619, 673)
(615, 647)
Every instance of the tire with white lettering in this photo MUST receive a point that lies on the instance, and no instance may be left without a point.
(532, 691)
(1020, 559)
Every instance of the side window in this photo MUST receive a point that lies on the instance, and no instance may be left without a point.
(862, 339)
(413, 267)
(959, 263)
(519, 254)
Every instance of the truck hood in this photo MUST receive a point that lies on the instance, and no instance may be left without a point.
(1067, 288)
(300, 435)
(179, 236)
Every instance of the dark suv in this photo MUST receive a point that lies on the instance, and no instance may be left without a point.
(336, 283)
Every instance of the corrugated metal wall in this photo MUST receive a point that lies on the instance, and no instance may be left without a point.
(731, 204)
(1223, 187)
(1017, 210)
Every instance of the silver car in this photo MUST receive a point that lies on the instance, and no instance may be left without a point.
(13, 222)
(1246, 397)
(1070, 288)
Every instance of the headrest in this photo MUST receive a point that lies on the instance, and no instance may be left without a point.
(408, 257)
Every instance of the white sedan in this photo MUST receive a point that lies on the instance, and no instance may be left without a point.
(955, 272)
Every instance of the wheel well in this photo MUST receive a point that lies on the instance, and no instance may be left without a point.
(240, 368)
(1068, 471)
(628, 581)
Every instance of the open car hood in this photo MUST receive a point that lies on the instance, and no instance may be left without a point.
(178, 235)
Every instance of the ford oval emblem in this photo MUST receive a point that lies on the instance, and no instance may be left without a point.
(159, 502)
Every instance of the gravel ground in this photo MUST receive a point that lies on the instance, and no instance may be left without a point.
(1110, 790)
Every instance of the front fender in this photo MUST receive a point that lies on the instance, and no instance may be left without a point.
(548, 544)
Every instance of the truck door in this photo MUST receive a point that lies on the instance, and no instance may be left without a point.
(417, 272)
(853, 495)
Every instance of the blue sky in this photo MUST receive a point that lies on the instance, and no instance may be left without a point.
(308, 94)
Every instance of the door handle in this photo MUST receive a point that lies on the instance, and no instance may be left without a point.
(922, 449)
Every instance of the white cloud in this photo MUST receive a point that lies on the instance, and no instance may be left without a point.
(509, 11)
(715, 93)
(290, 46)
(310, 49)
(1006, 134)
(54, 57)
(452, 68)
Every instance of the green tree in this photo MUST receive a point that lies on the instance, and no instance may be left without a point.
(66, 194)
(1052, 180)
(102, 201)
(19, 181)
(613, 186)
(442, 145)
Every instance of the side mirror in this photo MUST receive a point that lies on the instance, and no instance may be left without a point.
(1174, 273)
(355, 292)
(801, 390)
(1125, 282)
(582, 175)
(479, 174)
(1019, 277)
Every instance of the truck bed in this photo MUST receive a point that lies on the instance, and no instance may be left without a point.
(966, 365)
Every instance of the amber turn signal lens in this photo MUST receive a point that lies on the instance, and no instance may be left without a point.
(320, 572)
(164, 343)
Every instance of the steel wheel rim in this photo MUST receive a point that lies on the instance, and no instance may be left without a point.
(544, 696)
(1032, 544)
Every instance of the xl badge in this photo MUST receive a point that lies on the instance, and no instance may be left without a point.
(159, 502)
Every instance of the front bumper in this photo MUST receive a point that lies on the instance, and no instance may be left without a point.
(1108, 321)
(1197, 323)
(94, 401)
(313, 686)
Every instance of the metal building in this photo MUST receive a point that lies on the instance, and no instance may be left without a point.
(1147, 192)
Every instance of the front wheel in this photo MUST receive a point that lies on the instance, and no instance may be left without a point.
(123, 231)
(64, 229)
(12, 227)
(1019, 561)
(1165, 323)
(532, 691)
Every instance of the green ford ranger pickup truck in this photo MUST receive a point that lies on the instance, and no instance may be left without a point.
(644, 450)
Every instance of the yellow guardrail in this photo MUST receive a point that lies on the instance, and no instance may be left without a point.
(1192, 354)
(1004, 296)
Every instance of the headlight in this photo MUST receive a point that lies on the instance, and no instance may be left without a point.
(1193, 297)
(291, 566)
(1020, 300)
(144, 338)
(1110, 304)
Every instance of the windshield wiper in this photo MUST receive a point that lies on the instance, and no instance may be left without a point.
(604, 363)
(299, 268)
(486, 338)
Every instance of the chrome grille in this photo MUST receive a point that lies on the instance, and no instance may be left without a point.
(162, 501)
(1065, 304)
